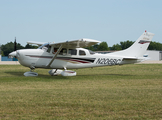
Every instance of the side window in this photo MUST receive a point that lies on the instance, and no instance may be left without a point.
(72, 52)
(54, 50)
(49, 49)
(81, 52)
(63, 51)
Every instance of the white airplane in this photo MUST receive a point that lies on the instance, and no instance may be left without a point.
(70, 55)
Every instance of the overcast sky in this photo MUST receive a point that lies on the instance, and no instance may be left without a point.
(111, 21)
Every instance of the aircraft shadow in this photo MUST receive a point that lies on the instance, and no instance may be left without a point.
(18, 73)
(14, 73)
(21, 74)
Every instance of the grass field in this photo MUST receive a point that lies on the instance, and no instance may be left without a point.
(116, 92)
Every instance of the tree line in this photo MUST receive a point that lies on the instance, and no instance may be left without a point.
(103, 46)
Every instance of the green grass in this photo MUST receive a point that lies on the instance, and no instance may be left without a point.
(116, 92)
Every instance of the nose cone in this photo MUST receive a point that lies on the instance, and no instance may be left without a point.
(13, 54)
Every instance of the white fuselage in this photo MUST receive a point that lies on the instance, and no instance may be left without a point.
(83, 58)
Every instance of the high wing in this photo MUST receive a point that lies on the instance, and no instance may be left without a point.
(71, 44)
(36, 43)
(76, 43)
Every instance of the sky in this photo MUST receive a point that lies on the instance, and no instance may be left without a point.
(111, 21)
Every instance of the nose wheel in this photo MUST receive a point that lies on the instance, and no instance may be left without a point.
(31, 72)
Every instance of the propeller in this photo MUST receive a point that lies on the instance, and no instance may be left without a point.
(14, 53)
(15, 45)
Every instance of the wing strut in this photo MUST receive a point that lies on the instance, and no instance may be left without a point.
(58, 51)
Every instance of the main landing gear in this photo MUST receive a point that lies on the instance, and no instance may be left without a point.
(65, 72)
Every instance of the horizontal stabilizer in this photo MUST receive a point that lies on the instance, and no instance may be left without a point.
(130, 58)
(134, 59)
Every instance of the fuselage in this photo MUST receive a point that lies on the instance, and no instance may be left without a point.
(67, 58)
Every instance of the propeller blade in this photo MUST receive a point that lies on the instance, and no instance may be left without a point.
(15, 45)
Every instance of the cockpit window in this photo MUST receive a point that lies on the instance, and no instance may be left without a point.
(46, 47)
(63, 51)
(81, 52)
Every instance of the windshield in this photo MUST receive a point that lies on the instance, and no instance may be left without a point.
(44, 45)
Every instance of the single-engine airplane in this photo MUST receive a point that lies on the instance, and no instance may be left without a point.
(71, 55)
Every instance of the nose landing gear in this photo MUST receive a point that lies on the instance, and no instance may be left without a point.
(31, 73)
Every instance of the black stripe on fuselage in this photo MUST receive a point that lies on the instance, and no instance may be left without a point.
(64, 58)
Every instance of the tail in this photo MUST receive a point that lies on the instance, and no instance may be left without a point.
(138, 49)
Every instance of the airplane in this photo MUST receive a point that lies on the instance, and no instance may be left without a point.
(71, 55)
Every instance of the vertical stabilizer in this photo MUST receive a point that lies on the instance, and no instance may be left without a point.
(139, 48)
